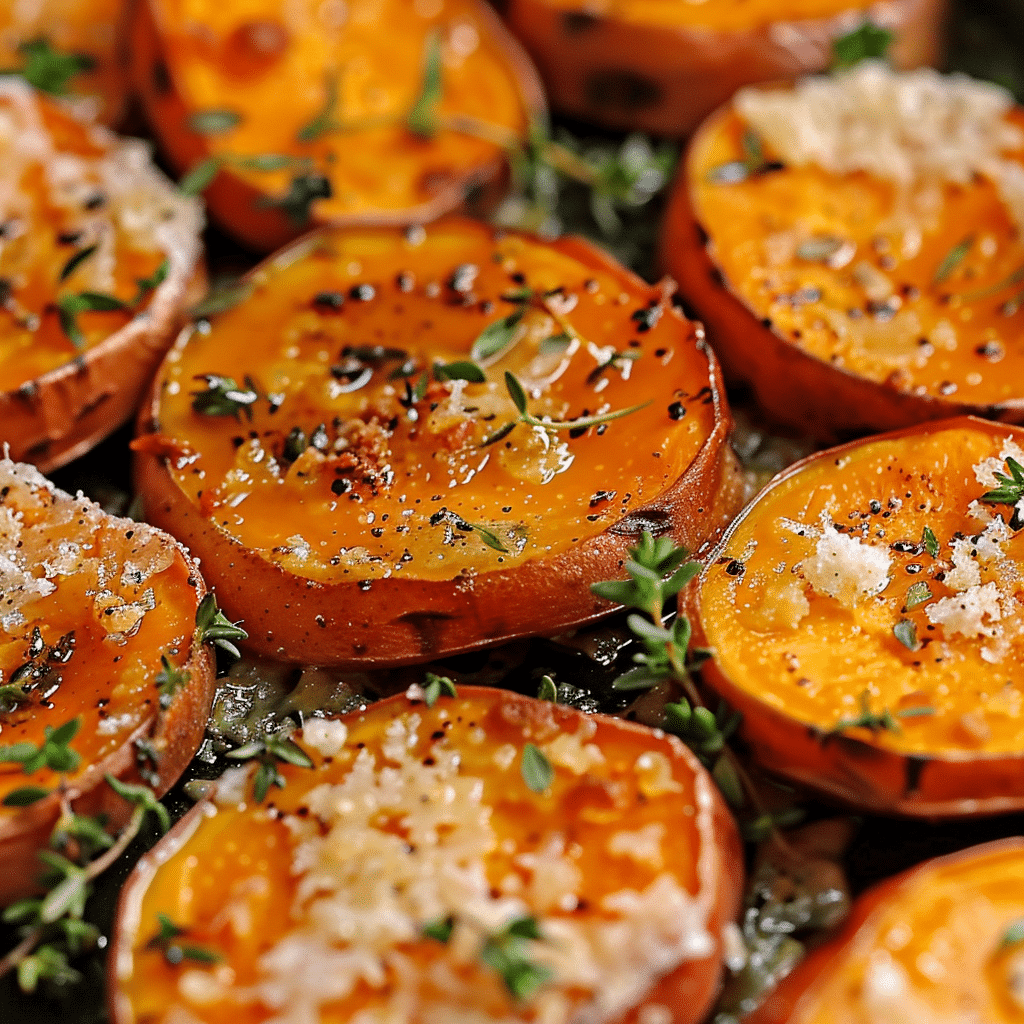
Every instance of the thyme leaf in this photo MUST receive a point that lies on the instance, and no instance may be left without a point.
(518, 395)
(303, 190)
(930, 542)
(1011, 487)
(76, 261)
(200, 176)
(70, 306)
(224, 397)
(496, 336)
(435, 687)
(461, 369)
(953, 259)
(1013, 935)
(917, 594)
(877, 722)
(49, 70)
(506, 952)
(906, 632)
(422, 119)
(324, 122)
(175, 952)
(214, 121)
(214, 627)
(536, 769)
(865, 42)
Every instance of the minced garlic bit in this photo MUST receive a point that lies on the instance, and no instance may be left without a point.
(911, 128)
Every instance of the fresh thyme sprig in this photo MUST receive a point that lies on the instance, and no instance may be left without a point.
(215, 627)
(1010, 490)
(268, 752)
(168, 940)
(51, 927)
(54, 753)
(884, 720)
(517, 393)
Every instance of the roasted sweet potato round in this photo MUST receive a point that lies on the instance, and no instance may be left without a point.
(864, 616)
(488, 857)
(662, 67)
(344, 452)
(98, 628)
(854, 247)
(70, 46)
(941, 943)
(100, 258)
(354, 113)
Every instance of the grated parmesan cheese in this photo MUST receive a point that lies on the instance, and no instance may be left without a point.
(846, 568)
(912, 128)
(965, 613)
(403, 839)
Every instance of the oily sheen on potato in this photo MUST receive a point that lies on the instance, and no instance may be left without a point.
(343, 449)
(354, 113)
(853, 244)
(864, 614)
(100, 257)
(97, 627)
(422, 870)
(662, 67)
(944, 942)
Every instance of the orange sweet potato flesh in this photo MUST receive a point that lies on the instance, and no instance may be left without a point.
(331, 88)
(452, 831)
(662, 67)
(89, 604)
(65, 387)
(823, 352)
(800, 652)
(401, 535)
(930, 945)
(90, 29)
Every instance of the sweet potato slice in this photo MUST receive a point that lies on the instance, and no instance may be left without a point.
(864, 617)
(662, 67)
(869, 276)
(488, 857)
(360, 491)
(97, 627)
(100, 257)
(941, 942)
(365, 112)
(70, 46)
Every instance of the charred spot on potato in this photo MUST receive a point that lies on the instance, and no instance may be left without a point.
(254, 48)
(622, 90)
(575, 23)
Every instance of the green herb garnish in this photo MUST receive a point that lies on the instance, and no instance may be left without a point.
(930, 542)
(324, 122)
(1011, 488)
(547, 689)
(214, 627)
(422, 120)
(536, 769)
(435, 687)
(175, 952)
(867, 41)
(876, 722)
(214, 122)
(507, 953)
(224, 397)
(48, 69)
(169, 681)
(917, 594)
(906, 632)
(953, 259)
(268, 752)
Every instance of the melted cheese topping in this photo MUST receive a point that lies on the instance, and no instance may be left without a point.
(88, 603)
(67, 185)
(919, 630)
(417, 817)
